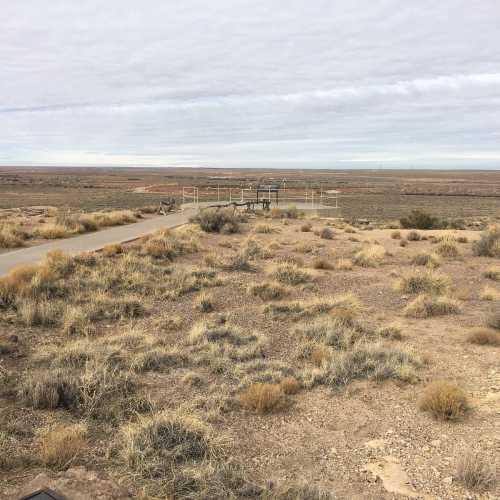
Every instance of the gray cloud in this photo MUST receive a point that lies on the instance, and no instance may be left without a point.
(260, 83)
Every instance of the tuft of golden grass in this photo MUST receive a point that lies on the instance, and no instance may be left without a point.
(493, 320)
(489, 293)
(290, 385)
(320, 355)
(206, 303)
(474, 471)
(428, 306)
(306, 227)
(430, 260)
(113, 249)
(289, 274)
(268, 290)
(371, 256)
(264, 228)
(322, 263)
(12, 236)
(53, 231)
(262, 397)
(343, 264)
(493, 273)
(444, 400)
(152, 445)
(447, 248)
(418, 281)
(413, 236)
(484, 336)
(59, 447)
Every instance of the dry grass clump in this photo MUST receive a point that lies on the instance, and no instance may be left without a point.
(426, 259)
(413, 236)
(112, 249)
(169, 244)
(264, 229)
(306, 227)
(444, 400)
(290, 212)
(364, 361)
(489, 293)
(290, 385)
(493, 320)
(322, 263)
(206, 303)
(349, 230)
(326, 233)
(403, 243)
(340, 334)
(50, 390)
(475, 472)
(219, 220)
(290, 274)
(344, 264)
(390, 332)
(78, 320)
(53, 231)
(60, 446)
(153, 445)
(428, 306)
(484, 336)
(12, 236)
(371, 256)
(419, 281)
(396, 235)
(489, 243)
(38, 313)
(447, 248)
(268, 290)
(263, 397)
(493, 273)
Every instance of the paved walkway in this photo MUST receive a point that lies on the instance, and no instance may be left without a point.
(92, 241)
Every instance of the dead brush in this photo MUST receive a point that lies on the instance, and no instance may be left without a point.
(475, 472)
(343, 264)
(484, 336)
(262, 397)
(489, 243)
(326, 233)
(323, 264)
(113, 249)
(489, 293)
(153, 445)
(206, 303)
(429, 260)
(268, 290)
(264, 229)
(428, 306)
(418, 281)
(61, 446)
(371, 256)
(447, 248)
(289, 274)
(493, 273)
(290, 385)
(12, 236)
(444, 400)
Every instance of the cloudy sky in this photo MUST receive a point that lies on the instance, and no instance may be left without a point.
(251, 83)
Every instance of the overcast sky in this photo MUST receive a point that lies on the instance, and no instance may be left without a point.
(251, 83)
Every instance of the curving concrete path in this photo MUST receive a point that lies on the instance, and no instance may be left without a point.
(93, 241)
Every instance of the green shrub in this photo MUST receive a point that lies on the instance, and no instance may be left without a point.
(418, 219)
(218, 220)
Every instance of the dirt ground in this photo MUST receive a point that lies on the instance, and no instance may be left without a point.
(367, 440)
(374, 194)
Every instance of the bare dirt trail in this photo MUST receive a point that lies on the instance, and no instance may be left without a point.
(92, 241)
